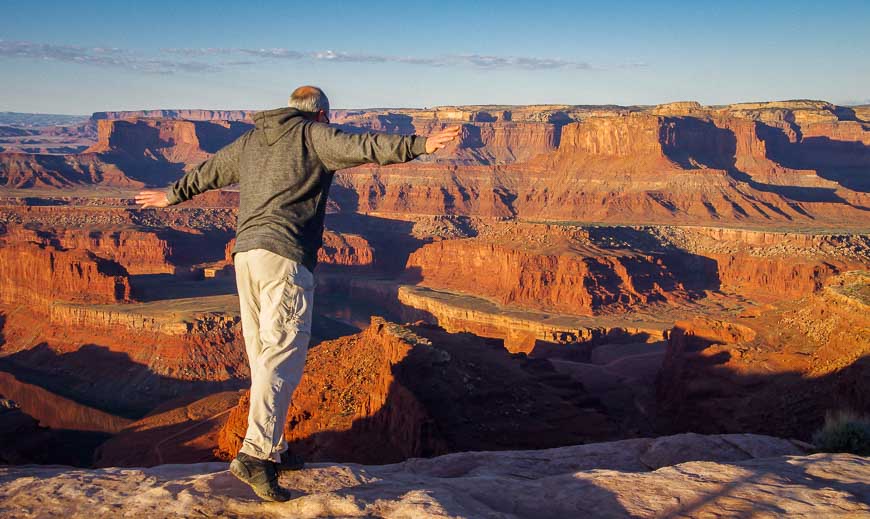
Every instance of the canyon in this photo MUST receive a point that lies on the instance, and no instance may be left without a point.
(561, 277)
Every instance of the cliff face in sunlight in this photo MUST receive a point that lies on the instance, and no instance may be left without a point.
(784, 163)
(562, 281)
(40, 275)
(137, 251)
(175, 141)
(343, 249)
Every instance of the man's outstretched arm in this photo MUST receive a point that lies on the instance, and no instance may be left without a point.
(222, 169)
(340, 150)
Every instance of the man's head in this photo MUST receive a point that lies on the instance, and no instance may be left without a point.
(311, 100)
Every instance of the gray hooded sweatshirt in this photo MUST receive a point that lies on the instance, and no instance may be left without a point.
(284, 168)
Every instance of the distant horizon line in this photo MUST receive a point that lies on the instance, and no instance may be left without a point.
(849, 104)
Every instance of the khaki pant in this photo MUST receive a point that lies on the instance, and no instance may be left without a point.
(276, 296)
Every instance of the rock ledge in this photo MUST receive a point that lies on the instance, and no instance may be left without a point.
(686, 475)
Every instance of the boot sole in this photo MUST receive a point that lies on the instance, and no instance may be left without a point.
(238, 471)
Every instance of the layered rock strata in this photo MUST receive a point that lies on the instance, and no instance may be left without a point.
(41, 275)
(138, 251)
(530, 332)
(341, 249)
(565, 281)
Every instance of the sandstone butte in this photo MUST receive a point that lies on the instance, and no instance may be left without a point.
(686, 475)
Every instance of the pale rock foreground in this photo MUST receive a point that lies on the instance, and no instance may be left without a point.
(687, 475)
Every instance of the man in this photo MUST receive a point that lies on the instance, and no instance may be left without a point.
(284, 167)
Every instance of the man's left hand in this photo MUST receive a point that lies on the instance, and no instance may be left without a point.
(442, 138)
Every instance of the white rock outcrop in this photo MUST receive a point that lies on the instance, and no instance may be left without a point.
(686, 475)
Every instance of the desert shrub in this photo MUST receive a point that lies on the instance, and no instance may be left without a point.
(844, 431)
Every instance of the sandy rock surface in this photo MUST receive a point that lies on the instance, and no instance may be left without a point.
(678, 476)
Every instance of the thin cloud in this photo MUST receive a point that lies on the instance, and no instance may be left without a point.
(470, 60)
(266, 53)
(481, 61)
(100, 56)
(215, 59)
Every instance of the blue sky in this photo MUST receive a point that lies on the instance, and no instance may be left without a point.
(80, 57)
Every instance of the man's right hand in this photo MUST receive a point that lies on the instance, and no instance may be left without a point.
(442, 138)
(152, 199)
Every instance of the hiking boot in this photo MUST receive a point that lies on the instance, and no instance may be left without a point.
(290, 462)
(261, 476)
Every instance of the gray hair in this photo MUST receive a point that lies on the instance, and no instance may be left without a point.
(309, 99)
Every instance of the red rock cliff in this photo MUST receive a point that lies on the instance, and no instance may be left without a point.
(429, 189)
(176, 141)
(139, 252)
(338, 249)
(41, 275)
(779, 277)
(560, 281)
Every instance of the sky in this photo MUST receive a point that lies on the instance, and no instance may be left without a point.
(76, 57)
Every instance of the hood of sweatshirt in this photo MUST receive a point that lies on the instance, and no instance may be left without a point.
(273, 124)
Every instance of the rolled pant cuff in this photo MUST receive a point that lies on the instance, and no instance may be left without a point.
(258, 453)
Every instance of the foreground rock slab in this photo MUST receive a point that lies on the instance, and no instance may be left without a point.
(686, 475)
